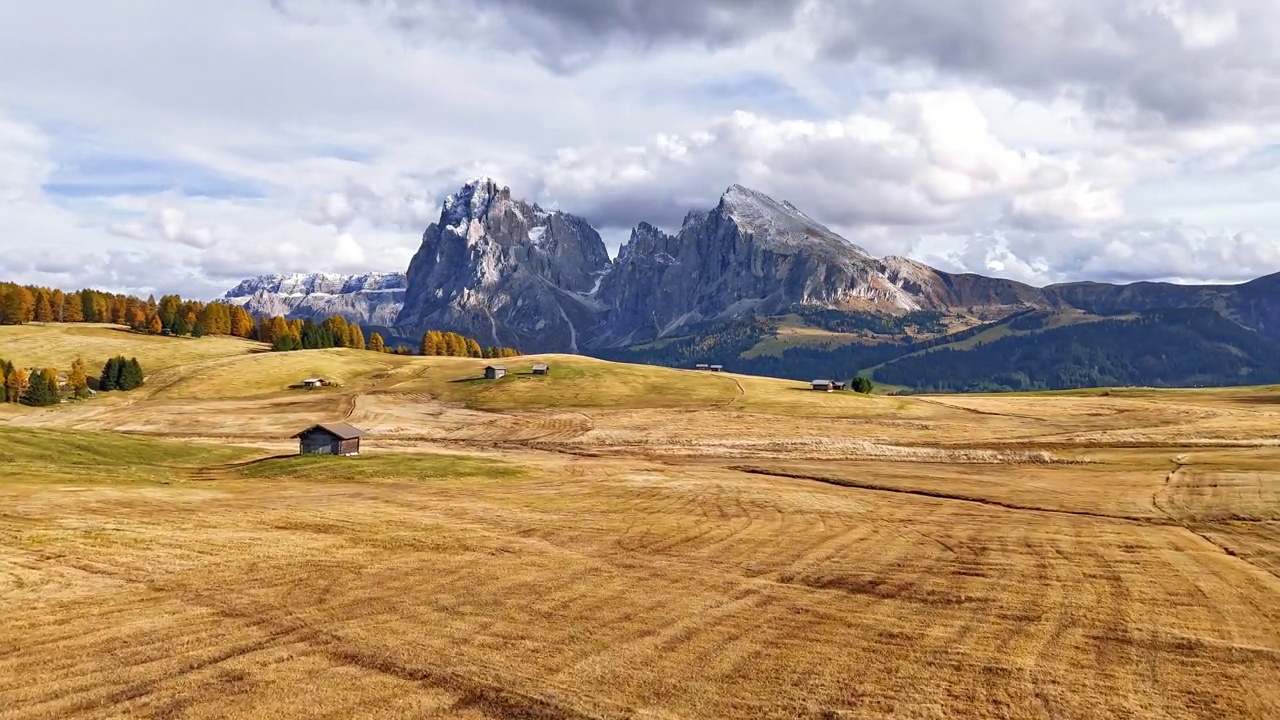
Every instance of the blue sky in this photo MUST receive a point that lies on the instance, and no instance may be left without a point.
(151, 146)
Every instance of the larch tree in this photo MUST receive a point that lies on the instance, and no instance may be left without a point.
(355, 336)
(78, 378)
(473, 348)
(154, 326)
(44, 311)
(376, 343)
(16, 306)
(16, 384)
(72, 308)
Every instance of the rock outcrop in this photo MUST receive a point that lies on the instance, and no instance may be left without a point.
(752, 254)
(370, 299)
(506, 272)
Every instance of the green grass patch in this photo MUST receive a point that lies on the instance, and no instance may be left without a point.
(382, 468)
(42, 455)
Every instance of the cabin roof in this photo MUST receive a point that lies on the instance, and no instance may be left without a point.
(495, 367)
(821, 382)
(340, 430)
(540, 365)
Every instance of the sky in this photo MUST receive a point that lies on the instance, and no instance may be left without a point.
(157, 146)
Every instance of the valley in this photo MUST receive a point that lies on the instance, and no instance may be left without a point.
(626, 541)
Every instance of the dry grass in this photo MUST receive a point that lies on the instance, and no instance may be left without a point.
(619, 542)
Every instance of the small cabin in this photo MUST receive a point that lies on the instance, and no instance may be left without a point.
(702, 366)
(493, 372)
(312, 383)
(839, 385)
(541, 369)
(716, 368)
(823, 385)
(329, 439)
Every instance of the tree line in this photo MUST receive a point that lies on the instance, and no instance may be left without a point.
(174, 315)
(42, 386)
(171, 314)
(452, 344)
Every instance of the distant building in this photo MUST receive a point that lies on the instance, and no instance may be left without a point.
(493, 372)
(701, 366)
(541, 369)
(716, 368)
(312, 383)
(823, 385)
(838, 385)
(329, 439)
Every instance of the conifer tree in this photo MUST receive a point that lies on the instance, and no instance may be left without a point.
(154, 326)
(473, 348)
(107, 380)
(376, 343)
(42, 390)
(131, 375)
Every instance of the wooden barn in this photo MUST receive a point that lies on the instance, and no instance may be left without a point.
(541, 369)
(312, 383)
(329, 439)
(701, 366)
(716, 368)
(493, 372)
(823, 385)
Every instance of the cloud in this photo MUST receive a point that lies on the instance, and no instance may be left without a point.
(915, 159)
(1186, 61)
(1044, 140)
(566, 35)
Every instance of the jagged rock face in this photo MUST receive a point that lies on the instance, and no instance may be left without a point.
(369, 299)
(506, 272)
(753, 254)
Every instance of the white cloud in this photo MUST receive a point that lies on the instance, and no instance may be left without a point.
(1045, 141)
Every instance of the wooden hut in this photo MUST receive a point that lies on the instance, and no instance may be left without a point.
(493, 372)
(701, 366)
(329, 439)
(716, 368)
(312, 383)
(840, 385)
(541, 369)
(823, 385)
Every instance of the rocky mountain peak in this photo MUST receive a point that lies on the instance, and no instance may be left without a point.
(781, 225)
(504, 270)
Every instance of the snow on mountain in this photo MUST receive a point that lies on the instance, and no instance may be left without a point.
(369, 299)
(318, 283)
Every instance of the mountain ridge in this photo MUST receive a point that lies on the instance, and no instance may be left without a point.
(497, 267)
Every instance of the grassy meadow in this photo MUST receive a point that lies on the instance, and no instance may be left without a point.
(614, 541)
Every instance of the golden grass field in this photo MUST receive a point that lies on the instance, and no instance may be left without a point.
(624, 542)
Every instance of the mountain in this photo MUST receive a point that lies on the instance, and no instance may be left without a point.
(370, 299)
(507, 272)
(1255, 304)
(758, 285)
(1168, 347)
(753, 255)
